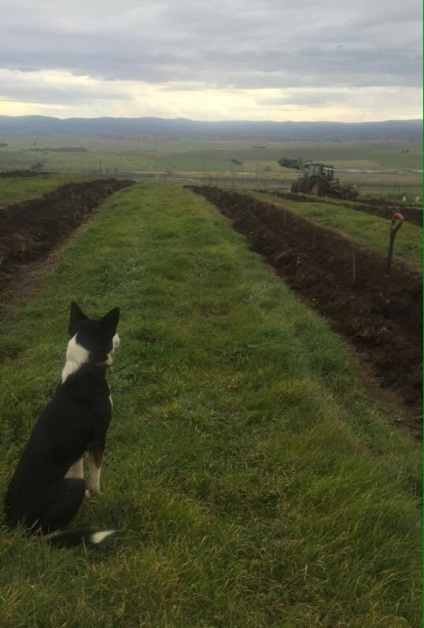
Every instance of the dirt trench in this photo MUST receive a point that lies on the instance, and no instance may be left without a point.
(30, 230)
(346, 284)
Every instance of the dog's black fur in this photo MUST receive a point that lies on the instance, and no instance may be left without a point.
(48, 487)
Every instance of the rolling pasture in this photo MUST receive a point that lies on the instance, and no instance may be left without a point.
(255, 473)
(379, 168)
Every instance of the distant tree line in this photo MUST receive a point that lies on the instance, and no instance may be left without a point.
(62, 149)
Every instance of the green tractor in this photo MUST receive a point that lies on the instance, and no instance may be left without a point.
(316, 178)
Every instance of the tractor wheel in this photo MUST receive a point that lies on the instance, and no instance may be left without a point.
(316, 186)
(353, 194)
(294, 187)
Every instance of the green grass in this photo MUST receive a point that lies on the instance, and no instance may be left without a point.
(15, 189)
(370, 231)
(252, 479)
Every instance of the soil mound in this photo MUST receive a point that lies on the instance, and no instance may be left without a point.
(345, 283)
(30, 230)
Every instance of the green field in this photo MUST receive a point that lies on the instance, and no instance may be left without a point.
(213, 159)
(252, 477)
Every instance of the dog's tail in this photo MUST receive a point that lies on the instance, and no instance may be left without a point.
(78, 536)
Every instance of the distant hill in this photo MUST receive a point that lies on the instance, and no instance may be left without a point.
(43, 126)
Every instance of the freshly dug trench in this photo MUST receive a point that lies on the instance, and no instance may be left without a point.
(31, 229)
(345, 283)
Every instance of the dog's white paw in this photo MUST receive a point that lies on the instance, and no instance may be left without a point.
(94, 490)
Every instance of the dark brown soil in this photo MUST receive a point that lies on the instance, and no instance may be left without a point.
(22, 173)
(346, 284)
(29, 231)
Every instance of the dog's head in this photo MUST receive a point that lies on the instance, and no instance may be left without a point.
(97, 338)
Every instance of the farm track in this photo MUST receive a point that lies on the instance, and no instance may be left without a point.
(30, 230)
(375, 207)
(345, 283)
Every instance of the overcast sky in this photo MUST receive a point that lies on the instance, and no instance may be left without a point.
(343, 60)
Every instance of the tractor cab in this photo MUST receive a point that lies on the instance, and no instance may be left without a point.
(319, 170)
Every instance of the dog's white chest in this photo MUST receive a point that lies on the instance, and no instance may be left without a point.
(76, 356)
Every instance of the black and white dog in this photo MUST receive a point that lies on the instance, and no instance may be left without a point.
(48, 485)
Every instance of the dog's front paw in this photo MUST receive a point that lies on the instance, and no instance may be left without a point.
(94, 490)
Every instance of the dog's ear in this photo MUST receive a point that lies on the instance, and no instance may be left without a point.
(109, 322)
(76, 315)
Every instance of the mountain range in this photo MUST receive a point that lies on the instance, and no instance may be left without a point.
(181, 128)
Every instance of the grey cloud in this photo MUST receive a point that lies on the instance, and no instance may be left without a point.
(57, 95)
(242, 43)
(309, 66)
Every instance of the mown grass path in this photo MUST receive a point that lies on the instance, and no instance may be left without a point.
(252, 479)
